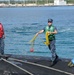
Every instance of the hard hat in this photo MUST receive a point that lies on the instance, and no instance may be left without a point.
(72, 61)
(50, 20)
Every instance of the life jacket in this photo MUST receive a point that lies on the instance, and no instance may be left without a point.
(51, 29)
(1, 31)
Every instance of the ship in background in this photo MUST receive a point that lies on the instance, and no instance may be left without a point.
(59, 2)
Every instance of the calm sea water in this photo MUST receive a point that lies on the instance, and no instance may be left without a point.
(21, 24)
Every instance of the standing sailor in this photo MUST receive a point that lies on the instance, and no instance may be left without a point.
(51, 31)
(2, 36)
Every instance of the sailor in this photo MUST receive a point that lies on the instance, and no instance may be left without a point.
(2, 36)
(51, 31)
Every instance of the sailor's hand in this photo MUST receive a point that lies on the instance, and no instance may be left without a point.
(49, 32)
(41, 31)
(37, 34)
(3, 36)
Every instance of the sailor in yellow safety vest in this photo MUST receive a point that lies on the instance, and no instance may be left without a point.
(50, 31)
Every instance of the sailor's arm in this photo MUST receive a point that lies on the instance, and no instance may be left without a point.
(55, 32)
(3, 32)
(41, 31)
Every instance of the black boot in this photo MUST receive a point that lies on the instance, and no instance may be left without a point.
(54, 62)
(56, 57)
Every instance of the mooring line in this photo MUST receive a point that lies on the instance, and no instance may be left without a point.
(68, 73)
(18, 67)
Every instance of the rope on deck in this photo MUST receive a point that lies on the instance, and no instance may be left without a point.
(18, 67)
(43, 66)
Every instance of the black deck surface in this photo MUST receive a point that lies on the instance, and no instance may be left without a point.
(7, 69)
(36, 65)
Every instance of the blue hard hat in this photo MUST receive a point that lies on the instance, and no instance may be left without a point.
(72, 61)
(50, 20)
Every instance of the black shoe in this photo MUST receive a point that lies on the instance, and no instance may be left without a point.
(54, 62)
(56, 59)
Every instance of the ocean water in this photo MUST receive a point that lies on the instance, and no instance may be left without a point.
(21, 24)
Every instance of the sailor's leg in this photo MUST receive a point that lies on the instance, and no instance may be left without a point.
(52, 49)
(1, 46)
